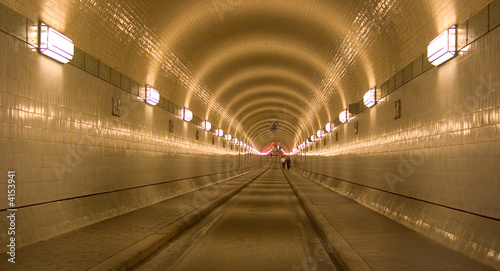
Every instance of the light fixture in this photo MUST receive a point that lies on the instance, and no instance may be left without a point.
(207, 125)
(219, 132)
(344, 116)
(152, 96)
(187, 115)
(328, 127)
(320, 133)
(55, 45)
(313, 138)
(443, 47)
(228, 137)
(369, 99)
(235, 140)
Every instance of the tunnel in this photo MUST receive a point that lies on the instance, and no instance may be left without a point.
(249, 135)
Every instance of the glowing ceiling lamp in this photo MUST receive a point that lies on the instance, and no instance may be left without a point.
(207, 125)
(187, 115)
(320, 133)
(344, 116)
(369, 99)
(229, 137)
(219, 132)
(55, 45)
(152, 96)
(443, 47)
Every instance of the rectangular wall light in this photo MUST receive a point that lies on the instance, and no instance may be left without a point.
(329, 127)
(344, 116)
(207, 125)
(443, 47)
(187, 115)
(152, 96)
(55, 45)
(369, 99)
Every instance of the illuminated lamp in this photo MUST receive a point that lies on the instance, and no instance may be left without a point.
(152, 96)
(187, 115)
(329, 127)
(228, 137)
(313, 138)
(369, 99)
(55, 45)
(207, 125)
(320, 133)
(235, 140)
(443, 47)
(344, 116)
(219, 132)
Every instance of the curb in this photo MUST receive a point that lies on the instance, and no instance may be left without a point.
(133, 255)
(337, 247)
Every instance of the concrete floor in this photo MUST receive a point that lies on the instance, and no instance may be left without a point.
(261, 228)
(380, 242)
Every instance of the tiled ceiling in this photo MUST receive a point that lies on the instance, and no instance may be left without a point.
(245, 64)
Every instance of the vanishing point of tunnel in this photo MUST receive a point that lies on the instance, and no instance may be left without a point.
(249, 135)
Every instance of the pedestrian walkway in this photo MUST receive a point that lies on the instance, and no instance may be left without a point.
(367, 240)
(123, 241)
(263, 227)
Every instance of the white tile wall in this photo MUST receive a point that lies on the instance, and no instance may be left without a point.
(58, 134)
(443, 150)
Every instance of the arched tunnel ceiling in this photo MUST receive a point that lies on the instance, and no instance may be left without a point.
(244, 64)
